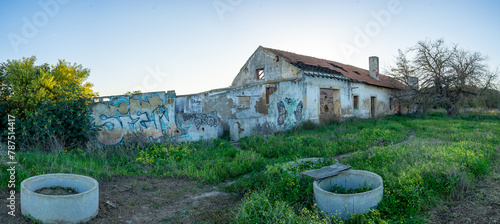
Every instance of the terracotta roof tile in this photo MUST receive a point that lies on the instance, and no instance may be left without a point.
(335, 68)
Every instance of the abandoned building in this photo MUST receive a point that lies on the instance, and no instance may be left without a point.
(273, 91)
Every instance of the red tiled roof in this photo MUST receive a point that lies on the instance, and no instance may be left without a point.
(354, 73)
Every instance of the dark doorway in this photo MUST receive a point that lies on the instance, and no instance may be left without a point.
(373, 101)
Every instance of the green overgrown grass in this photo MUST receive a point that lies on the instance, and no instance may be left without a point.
(98, 163)
(327, 140)
(441, 164)
(446, 158)
(212, 161)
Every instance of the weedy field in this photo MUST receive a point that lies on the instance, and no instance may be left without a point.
(426, 163)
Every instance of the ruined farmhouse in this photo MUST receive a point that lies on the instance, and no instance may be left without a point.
(273, 91)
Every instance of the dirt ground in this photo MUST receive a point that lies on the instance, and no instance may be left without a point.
(152, 200)
(481, 205)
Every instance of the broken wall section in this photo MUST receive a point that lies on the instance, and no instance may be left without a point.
(248, 110)
(279, 107)
(272, 67)
(148, 117)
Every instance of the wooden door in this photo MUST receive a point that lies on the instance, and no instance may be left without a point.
(329, 103)
(325, 104)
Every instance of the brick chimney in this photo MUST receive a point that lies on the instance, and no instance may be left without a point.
(373, 62)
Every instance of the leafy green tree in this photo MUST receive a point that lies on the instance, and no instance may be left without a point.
(49, 101)
(128, 93)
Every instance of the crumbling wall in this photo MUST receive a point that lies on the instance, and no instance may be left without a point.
(382, 100)
(198, 126)
(149, 116)
(275, 69)
(341, 100)
(284, 109)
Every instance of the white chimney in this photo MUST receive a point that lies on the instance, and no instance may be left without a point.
(373, 61)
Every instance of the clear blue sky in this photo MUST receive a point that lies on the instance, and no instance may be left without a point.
(195, 46)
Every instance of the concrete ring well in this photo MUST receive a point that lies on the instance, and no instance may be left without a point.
(345, 205)
(75, 208)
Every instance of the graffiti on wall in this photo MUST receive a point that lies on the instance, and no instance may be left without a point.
(145, 114)
(200, 120)
(195, 105)
(291, 107)
(281, 113)
(298, 111)
(198, 126)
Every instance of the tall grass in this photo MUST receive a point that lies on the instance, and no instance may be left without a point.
(95, 162)
(212, 161)
(327, 140)
(442, 163)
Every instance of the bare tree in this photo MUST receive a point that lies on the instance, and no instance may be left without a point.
(447, 75)
(404, 72)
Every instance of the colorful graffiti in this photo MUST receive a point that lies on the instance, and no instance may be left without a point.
(145, 114)
(281, 113)
(290, 106)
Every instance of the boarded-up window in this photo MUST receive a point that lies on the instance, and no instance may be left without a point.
(260, 74)
(355, 102)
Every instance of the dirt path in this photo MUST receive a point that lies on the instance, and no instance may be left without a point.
(381, 143)
(144, 199)
(481, 205)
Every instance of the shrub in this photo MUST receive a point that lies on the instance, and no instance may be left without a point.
(64, 122)
(257, 208)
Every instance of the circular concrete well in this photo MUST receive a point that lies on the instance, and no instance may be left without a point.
(345, 205)
(74, 208)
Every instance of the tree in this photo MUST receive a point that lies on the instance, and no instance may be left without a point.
(128, 93)
(47, 100)
(447, 75)
(29, 85)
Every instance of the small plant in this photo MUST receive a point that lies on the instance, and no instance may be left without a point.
(32, 219)
(338, 189)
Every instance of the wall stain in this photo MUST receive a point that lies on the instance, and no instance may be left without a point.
(261, 106)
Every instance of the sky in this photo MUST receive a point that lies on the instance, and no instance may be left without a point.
(195, 46)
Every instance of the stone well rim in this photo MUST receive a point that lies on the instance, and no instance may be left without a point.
(64, 176)
(378, 177)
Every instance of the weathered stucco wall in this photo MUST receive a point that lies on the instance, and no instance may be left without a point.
(342, 100)
(197, 126)
(284, 110)
(346, 92)
(284, 97)
(150, 116)
(382, 100)
(275, 69)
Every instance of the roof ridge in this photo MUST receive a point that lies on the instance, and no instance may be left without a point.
(357, 74)
(272, 49)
